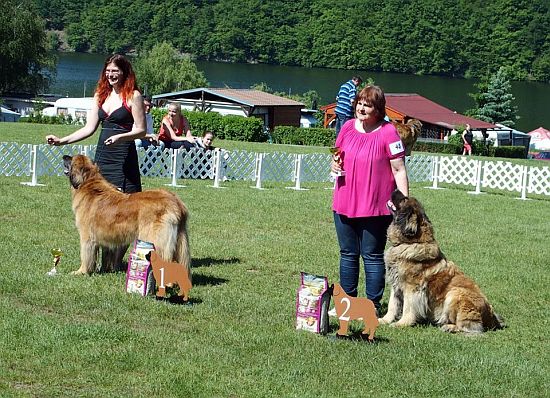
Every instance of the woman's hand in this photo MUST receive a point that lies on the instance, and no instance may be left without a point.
(112, 140)
(335, 165)
(53, 140)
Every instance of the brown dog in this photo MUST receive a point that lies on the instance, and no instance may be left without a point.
(106, 217)
(409, 133)
(167, 273)
(425, 286)
(349, 308)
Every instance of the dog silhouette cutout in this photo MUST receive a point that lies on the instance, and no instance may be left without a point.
(167, 273)
(349, 308)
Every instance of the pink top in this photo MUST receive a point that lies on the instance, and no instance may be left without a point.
(369, 182)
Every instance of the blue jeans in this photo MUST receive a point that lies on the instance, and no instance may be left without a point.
(365, 237)
(340, 120)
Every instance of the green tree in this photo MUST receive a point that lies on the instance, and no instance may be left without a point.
(25, 64)
(163, 69)
(496, 103)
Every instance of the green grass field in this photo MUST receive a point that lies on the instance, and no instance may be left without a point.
(68, 336)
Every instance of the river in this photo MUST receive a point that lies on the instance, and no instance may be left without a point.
(77, 75)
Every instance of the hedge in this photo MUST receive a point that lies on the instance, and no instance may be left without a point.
(313, 136)
(230, 127)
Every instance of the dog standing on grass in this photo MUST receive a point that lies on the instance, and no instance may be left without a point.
(106, 217)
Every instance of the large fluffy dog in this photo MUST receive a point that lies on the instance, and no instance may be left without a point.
(425, 285)
(106, 217)
(409, 133)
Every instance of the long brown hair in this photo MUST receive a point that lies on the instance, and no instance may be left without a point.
(128, 85)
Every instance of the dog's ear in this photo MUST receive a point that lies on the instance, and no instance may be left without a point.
(67, 160)
(408, 221)
(397, 198)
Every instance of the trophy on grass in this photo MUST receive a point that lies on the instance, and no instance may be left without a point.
(56, 253)
(338, 157)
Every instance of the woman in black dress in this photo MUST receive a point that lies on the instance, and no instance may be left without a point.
(118, 105)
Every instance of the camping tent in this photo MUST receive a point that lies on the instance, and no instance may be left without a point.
(540, 139)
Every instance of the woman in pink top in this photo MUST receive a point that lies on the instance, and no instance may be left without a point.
(374, 164)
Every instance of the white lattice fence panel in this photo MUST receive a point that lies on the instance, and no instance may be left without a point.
(154, 162)
(278, 166)
(197, 163)
(539, 180)
(457, 170)
(240, 165)
(316, 167)
(15, 159)
(50, 158)
(502, 175)
(419, 168)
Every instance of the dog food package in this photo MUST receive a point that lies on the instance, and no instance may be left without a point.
(312, 304)
(139, 276)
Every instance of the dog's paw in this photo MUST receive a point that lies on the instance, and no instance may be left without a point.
(402, 324)
(449, 328)
(385, 321)
(79, 272)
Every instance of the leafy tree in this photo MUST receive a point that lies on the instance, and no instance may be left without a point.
(25, 65)
(163, 69)
(495, 103)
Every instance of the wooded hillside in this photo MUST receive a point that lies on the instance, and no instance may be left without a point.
(470, 38)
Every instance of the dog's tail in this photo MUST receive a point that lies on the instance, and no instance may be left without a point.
(183, 252)
(496, 321)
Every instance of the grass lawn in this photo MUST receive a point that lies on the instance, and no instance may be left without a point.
(84, 336)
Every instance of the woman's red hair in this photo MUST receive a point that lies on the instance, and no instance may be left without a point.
(128, 79)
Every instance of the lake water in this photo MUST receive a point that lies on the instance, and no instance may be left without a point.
(77, 75)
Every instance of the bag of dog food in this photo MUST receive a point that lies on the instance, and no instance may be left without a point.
(139, 276)
(312, 304)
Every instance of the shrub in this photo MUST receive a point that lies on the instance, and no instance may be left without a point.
(514, 152)
(436, 147)
(230, 127)
(303, 136)
(242, 128)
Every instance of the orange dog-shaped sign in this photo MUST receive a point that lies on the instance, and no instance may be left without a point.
(349, 308)
(167, 273)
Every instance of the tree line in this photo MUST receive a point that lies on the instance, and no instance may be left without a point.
(459, 38)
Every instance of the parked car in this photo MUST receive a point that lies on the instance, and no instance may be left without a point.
(543, 155)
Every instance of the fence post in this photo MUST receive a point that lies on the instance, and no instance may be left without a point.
(297, 173)
(258, 171)
(34, 168)
(524, 181)
(217, 168)
(174, 183)
(435, 173)
(479, 167)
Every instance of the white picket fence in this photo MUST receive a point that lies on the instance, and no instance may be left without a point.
(222, 167)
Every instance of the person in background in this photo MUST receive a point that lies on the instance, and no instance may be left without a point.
(118, 106)
(206, 140)
(174, 130)
(373, 158)
(148, 116)
(344, 101)
(467, 139)
(150, 136)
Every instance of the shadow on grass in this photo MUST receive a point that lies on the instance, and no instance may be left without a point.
(209, 261)
(206, 280)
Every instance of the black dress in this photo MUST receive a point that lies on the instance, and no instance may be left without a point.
(118, 163)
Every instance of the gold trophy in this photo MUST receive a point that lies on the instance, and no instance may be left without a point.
(338, 157)
(56, 253)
